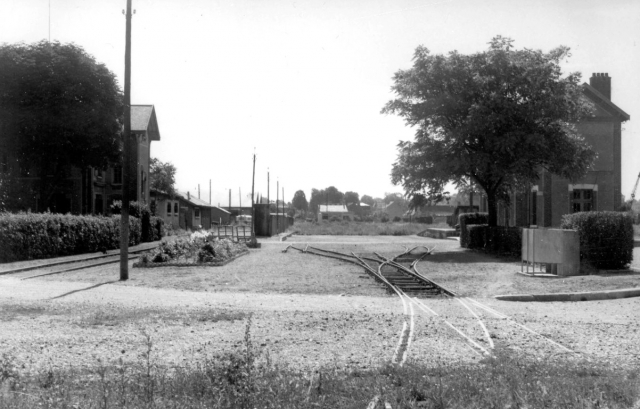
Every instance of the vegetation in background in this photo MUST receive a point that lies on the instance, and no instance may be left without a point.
(495, 117)
(299, 202)
(345, 228)
(162, 176)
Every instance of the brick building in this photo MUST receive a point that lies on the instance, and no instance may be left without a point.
(545, 203)
(90, 190)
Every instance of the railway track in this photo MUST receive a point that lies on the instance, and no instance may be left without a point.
(57, 267)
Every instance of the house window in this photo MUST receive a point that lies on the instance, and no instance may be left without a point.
(99, 205)
(175, 208)
(196, 213)
(117, 175)
(97, 173)
(168, 208)
(581, 200)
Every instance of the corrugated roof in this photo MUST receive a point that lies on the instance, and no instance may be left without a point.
(333, 209)
(194, 200)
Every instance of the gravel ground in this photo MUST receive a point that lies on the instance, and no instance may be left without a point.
(77, 318)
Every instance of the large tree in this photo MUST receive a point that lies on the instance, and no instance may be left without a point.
(163, 176)
(59, 109)
(299, 201)
(330, 195)
(351, 198)
(496, 117)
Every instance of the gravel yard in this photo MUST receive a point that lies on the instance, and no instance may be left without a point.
(307, 312)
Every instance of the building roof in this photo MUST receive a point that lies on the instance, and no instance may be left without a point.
(198, 202)
(363, 204)
(333, 209)
(143, 119)
(612, 108)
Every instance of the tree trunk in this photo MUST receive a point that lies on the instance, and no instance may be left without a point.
(492, 205)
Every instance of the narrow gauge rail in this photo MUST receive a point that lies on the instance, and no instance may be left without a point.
(387, 271)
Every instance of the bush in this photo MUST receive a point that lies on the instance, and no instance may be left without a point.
(397, 219)
(157, 228)
(606, 238)
(384, 219)
(142, 212)
(26, 236)
(466, 219)
(476, 236)
(497, 240)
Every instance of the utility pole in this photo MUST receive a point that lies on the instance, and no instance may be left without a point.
(284, 217)
(277, 207)
(240, 199)
(198, 190)
(229, 200)
(268, 206)
(253, 212)
(209, 191)
(126, 153)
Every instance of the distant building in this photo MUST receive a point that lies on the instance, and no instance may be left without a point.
(339, 211)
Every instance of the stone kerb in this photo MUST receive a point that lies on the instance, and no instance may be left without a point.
(560, 248)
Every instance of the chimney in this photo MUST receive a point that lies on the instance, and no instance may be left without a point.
(188, 195)
(601, 82)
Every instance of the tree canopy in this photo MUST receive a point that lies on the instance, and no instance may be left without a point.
(367, 199)
(330, 195)
(497, 117)
(299, 201)
(351, 198)
(162, 176)
(59, 108)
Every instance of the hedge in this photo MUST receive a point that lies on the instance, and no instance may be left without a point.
(606, 238)
(497, 240)
(26, 236)
(141, 211)
(466, 219)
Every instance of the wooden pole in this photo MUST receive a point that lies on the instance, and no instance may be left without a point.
(277, 207)
(209, 191)
(126, 153)
(253, 212)
(268, 206)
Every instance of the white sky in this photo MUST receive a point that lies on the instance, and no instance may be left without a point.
(303, 82)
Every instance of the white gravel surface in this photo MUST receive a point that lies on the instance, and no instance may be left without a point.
(302, 331)
(61, 323)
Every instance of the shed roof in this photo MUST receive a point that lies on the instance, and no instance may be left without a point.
(333, 209)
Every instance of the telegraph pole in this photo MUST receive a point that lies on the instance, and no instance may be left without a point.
(126, 153)
(268, 206)
(277, 207)
(284, 217)
(253, 212)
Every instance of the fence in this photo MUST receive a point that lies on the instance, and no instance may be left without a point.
(234, 233)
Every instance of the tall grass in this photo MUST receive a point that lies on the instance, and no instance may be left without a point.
(345, 228)
(246, 378)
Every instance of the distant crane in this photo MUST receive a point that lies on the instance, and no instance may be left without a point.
(635, 187)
